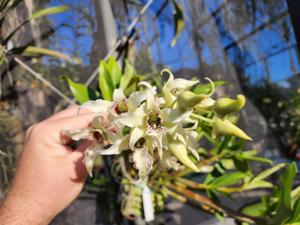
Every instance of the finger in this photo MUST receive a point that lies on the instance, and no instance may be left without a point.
(71, 111)
(73, 122)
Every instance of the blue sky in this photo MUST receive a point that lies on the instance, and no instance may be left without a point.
(183, 54)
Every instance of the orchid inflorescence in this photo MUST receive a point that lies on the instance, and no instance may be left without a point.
(156, 127)
(154, 134)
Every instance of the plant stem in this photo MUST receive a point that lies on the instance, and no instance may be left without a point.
(209, 121)
(202, 200)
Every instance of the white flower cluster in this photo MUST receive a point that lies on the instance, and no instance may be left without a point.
(155, 128)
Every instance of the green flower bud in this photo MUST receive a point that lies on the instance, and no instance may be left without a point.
(224, 106)
(187, 100)
(180, 152)
(225, 127)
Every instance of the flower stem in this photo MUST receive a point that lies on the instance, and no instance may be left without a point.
(207, 120)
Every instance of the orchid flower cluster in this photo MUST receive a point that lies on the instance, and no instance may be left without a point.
(156, 128)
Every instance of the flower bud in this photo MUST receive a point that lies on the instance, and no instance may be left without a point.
(225, 127)
(180, 152)
(224, 106)
(187, 100)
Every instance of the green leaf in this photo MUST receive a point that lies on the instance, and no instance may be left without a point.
(49, 11)
(128, 75)
(115, 71)
(43, 12)
(255, 210)
(227, 179)
(6, 7)
(284, 208)
(178, 20)
(295, 217)
(81, 92)
(251, 155)
(129, 80)
(206, 88)
(268, 172)
(31, 50)
(286, 180)
(105, 83)
(257, 184)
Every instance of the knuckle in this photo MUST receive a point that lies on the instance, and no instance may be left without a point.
(35, 130)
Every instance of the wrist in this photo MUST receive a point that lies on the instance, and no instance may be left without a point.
(18, 211)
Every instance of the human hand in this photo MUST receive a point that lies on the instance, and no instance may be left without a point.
(50, 175)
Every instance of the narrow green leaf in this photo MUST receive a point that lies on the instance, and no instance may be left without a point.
(31, 50)
(105, 83)
(251, 155)
(115, 71)
(227, 179)
(178, 22)
(128, 75)
(81, 92)
(257, 184)
(43, 12)
(286, 180)
(284, 208)
(49, 11)
(268, 172)
(295, 217)
(129, 80)
(295, 194)
(5, 8)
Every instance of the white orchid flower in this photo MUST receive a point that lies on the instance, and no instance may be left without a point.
(173, 87)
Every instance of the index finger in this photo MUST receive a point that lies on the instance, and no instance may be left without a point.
(71, 111)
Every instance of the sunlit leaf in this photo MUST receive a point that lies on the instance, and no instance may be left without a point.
(258, 184)
(128, 75)
(81, 92)
(49, 11)
(31, 50)
(268, 172)
(115, 71)
(129, 80)
(43, 12)
(6, 7)
(105, 82)
(178, 22)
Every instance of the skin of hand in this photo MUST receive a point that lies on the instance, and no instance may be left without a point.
(50, 175)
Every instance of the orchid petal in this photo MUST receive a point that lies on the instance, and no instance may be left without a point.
(174, 115)
(77, 135)
(180, 84)
(142, 161)
(118, 95)
(136, 98)
(132, 119)
(89, 160)
(117, 148)
(136, 134)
